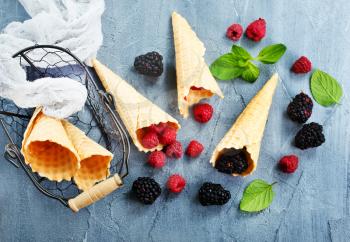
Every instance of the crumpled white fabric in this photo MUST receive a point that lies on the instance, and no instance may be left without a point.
(71, 24)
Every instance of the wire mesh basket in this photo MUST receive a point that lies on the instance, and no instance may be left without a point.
(98, 120)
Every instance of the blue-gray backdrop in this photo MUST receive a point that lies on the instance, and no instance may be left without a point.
(310, 205)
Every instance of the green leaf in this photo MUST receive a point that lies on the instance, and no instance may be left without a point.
(251, 73)
(257, 196)
(226, 67)
(325, 89)
(240, 53)
(272, 53)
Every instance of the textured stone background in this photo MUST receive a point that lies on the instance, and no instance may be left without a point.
(310, 205)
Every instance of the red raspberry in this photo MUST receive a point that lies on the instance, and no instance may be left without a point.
(168, 136)
(176, 183)
(289, 163)
(203, 112)
(174, 150)
(150, 140)
(302, 65)
(156, 159)
(234, 32)
(158, 128)
(256, 30)
(194, 149)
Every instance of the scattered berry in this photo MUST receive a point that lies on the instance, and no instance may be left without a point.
(150, 140)
(289, 163)
(158, 128)
(234, 32)
(146, 189)
(300, 109)
(203, 112)
(174, 150)
(213, 194)
(150, 64)
(156, 159)
(194, 148)
(256, 30)
(302, 65)
(310, 136)
(232, 161)
(176, 183)
(168, 136)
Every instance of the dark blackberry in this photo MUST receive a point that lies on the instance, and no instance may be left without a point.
(146, 189)
(309, 136)
(213, 194)
(150, 64)
(232, 161)
(300, 109)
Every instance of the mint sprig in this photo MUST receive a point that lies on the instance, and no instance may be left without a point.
(238, 63)
(325, 89)
(257, 196)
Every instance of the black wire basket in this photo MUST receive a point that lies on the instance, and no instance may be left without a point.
(98, 120)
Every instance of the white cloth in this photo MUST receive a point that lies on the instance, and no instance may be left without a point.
(71, 24)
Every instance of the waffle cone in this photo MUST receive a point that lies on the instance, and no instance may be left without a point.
(47, 148)
(248, 130)
(191, 69)
(136, 111)
(94, 159)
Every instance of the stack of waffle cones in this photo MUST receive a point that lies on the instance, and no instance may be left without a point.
(194, 80)
(248, 130)
(58, 150)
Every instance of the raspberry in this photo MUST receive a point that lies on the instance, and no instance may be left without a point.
(174, 150)
(234, 32)
(176, 183)
(213, 194)
(168, 136)
(156, 159)
(158, 128)
(194, 148)
(150, 64)
(146, 189)
(302, 65)
(300, 109)
(309, 136)
(256, 30)
(203, 112)
(150, 140)
(289, 163)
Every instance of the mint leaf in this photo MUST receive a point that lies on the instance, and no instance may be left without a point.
(325, 89)
(226, 67)
(251, 73)
(272, 53)
(257, 196)
(240, 53)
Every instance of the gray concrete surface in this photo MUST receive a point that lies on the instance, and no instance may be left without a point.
(310, 205)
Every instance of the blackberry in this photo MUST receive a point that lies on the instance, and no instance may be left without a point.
(232, 161)
(147, 190)
(300, 109)
(309, 136)
(213, 194)
(150, 64)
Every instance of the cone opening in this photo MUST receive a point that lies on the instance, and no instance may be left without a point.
(196, 94)
(51, 160)
(158, 128)
(92, 170)
(246, 165)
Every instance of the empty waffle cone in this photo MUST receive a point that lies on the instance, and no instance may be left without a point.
(47, 148)
(248, 130)
(94, 159)
(194, 80)
(136, 111)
